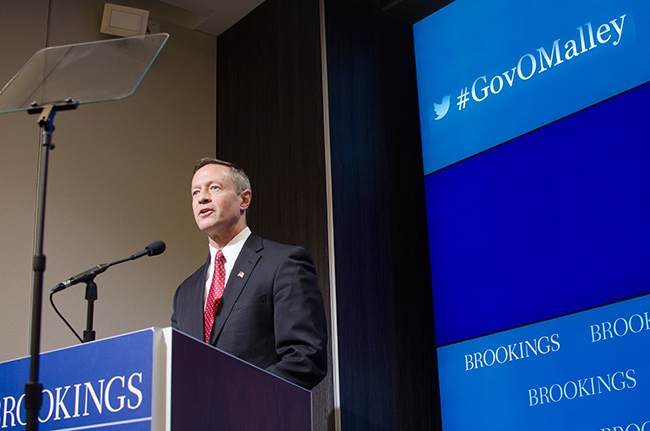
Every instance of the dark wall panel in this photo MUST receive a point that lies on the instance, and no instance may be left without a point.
(386, 338)
(270, 122)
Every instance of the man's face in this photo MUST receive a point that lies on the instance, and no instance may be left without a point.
(218, 209)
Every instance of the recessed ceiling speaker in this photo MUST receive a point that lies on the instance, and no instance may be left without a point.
(124, 21)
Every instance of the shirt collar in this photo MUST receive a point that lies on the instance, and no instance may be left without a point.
(232, 249)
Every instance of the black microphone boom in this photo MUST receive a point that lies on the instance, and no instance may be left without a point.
(153, 249)
(81, 278)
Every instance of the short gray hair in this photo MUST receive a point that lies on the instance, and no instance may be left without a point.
(239, 177)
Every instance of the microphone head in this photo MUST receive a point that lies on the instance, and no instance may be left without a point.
(155, 248)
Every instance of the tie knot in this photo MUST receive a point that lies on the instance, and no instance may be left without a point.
(220, 258)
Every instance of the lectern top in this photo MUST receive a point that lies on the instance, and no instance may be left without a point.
(86, 72)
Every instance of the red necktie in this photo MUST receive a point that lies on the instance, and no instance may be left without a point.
(216, 291)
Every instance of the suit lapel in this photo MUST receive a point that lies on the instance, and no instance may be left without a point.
(197, 294)
(241, 272)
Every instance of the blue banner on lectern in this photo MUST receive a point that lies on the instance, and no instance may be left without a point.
(585, 371)
(103, 385)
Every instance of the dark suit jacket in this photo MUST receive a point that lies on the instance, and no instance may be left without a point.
(271, 313)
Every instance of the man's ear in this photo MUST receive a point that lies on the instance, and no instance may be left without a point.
(246, 196)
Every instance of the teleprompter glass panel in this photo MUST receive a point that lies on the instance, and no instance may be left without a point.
(86, 72)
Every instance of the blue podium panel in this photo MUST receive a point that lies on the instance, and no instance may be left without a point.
(101, 385)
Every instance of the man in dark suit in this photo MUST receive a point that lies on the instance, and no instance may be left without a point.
(270, 312)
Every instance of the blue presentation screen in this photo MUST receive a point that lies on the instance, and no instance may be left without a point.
(536, 151)
(489, 71)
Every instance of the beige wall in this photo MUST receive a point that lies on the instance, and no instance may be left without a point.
(118, 179)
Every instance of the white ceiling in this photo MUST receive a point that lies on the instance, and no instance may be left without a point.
(208, 16)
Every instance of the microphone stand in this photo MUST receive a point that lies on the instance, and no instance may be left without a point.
(88, 277)
(91, 297)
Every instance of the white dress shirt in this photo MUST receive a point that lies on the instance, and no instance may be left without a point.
(230, 252)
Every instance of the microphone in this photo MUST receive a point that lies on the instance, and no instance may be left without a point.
(153, 249)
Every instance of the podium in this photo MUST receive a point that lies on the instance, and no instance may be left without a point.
(154, 379)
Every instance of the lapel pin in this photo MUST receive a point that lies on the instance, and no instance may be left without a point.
(241, 274)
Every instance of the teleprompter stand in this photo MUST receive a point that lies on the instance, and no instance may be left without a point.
(58, 79)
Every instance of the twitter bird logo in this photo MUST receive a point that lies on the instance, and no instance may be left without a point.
(442, 107)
